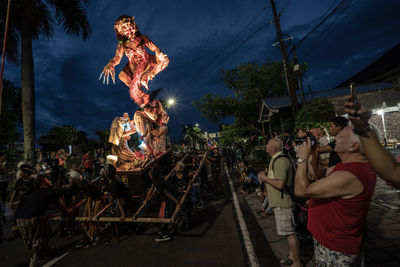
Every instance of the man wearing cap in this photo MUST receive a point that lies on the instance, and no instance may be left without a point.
(23, 186)
(33, 222)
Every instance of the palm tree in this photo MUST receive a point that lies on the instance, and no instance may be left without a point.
(193, 136)
(28, 20)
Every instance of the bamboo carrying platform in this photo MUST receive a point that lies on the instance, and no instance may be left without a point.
(137, 175)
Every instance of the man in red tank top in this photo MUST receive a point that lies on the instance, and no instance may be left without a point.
(339, 202)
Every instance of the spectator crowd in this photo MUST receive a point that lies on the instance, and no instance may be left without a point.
(318, 185)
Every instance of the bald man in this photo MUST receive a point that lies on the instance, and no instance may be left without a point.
(280, 172)
(339, 202)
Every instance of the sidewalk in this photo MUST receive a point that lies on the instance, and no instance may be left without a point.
(383, 236)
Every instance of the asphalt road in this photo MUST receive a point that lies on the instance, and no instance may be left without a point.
(214, 239)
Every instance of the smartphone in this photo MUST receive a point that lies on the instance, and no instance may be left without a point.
(353, 93)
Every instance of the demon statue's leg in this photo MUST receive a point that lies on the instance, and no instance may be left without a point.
(161, 62)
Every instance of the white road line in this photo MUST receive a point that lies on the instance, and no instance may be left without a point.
(242, 223)
(54, 260)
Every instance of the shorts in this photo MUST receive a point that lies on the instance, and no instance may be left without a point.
(326, 257)
(284, 219)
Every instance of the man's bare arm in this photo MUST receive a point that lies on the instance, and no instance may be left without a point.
(324, 149)
(381, 160)
(278, 184)
(341, 184)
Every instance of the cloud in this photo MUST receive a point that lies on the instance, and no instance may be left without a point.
(192, 33)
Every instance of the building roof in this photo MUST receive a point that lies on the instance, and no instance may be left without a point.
(381, 70)
(273, 104)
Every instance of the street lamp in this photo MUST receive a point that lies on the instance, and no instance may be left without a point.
(382, 113)
(197, 125)
(171, 101)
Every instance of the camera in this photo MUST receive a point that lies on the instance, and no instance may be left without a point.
(300, 140)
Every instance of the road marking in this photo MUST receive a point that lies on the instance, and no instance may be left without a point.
(242, 223)
(54, 260)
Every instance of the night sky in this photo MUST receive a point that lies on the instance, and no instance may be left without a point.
(192, 33)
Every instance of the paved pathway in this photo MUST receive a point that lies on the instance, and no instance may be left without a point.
(383, 235)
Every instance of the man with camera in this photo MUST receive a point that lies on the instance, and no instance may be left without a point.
(280, 173)
(339, 202)
(337, 124)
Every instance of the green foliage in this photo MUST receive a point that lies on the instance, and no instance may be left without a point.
(231, 134)
(248, 83)
(61, 137)
(316, 113)
(103, 137)
(13, 156)
(259, 156)
(193, 136)
(11, 113)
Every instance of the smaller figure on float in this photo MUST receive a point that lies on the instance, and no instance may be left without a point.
(142, 66)
(151, 124)
(122, 156)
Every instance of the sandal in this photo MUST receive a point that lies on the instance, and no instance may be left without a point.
(264, 215)
(286, 261)
(259, 211)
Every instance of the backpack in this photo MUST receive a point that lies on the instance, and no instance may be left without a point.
(290, 190)
(300, 210)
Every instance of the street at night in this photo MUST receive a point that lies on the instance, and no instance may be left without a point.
(200, 133)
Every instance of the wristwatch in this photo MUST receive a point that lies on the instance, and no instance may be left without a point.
(301, 160)
(362, 131)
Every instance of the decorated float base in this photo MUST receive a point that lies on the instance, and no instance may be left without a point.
(144, 191)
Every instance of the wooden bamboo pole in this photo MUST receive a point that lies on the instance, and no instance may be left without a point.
(149, 195)
(117, 219)
(151, 191)
(178, 207)
(104, 209)
(173, 169)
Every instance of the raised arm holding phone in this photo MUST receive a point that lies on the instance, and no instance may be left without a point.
(381, 160)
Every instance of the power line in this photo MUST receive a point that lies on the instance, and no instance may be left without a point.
(242, 43)
(287, 3)
(233, 51)
(320, 23)
(329, 8)
(330, 29)
(224, 48)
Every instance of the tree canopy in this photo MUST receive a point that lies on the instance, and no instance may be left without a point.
(61, 137)
(193, 135)
(248, 83)
(316, 113)
(29, 20)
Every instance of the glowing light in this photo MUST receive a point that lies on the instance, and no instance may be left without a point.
(142, 145)
(171, 101)
(380, 112)
(111, 159)
(197, 125)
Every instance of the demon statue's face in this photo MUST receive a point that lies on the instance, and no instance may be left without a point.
(126, 27)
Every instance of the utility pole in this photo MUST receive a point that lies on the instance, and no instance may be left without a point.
(296, 69)
(287, 71)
